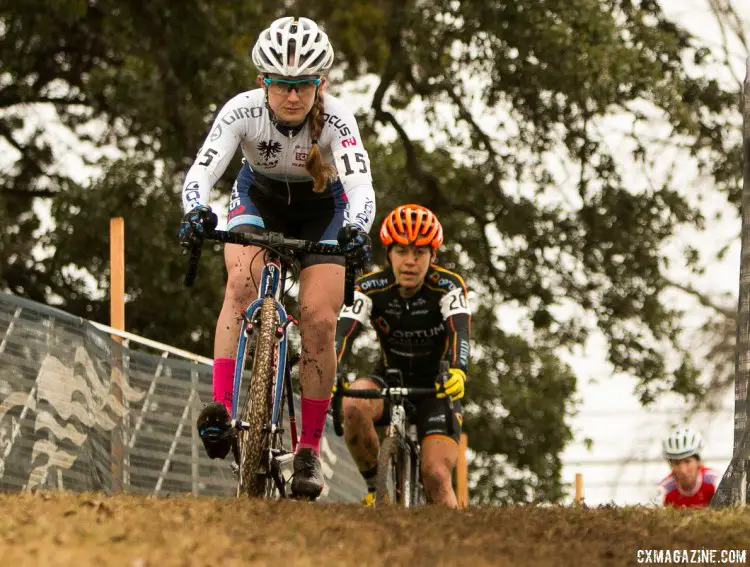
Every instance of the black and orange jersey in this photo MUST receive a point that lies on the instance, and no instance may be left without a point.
(415, 333)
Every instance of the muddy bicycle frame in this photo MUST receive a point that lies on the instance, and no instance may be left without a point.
(272, 284)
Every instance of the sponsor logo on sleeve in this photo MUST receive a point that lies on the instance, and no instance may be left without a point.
(337, 123)
(192, 194)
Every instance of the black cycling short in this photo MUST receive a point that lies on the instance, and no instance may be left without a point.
(259, 204)
(428, 414)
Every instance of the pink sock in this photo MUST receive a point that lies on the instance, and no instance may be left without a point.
(313, 422)
(224, 381)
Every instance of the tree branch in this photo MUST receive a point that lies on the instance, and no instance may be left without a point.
(413, 165)
(486, 245)
(702, 298)
(7, 102)
(466, 116)
(722, 14)
(32, 163)
(8, 135)
(28, 194)
(738, 26)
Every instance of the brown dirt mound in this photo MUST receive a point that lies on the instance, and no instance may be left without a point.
(132, 531)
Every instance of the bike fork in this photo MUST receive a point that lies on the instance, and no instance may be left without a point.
(280, 459)
(248, 322)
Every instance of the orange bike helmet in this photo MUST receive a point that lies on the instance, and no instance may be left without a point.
(411, 224)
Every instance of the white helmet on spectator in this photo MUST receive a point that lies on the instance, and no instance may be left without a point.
(293, 47)
(681, 443)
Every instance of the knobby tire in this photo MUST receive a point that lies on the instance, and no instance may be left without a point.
(393, 468)
(253, 443)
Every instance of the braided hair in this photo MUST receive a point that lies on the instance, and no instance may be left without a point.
(320, 171)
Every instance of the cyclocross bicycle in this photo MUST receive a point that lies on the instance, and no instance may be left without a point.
(398, 480)
(262, 459)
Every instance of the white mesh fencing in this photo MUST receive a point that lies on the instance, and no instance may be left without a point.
(80, 411)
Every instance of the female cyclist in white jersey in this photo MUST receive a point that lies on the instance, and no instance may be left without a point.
(305, 173)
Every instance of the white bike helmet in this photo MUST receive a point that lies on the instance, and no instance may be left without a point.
(293, 47)
(682, 443)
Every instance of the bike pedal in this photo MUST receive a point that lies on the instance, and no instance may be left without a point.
(284, 458)
(283, 465)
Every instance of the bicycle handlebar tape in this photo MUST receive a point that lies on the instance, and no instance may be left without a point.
(195, 256)
(338, 426)
(350, 278)
(323, 248)
(449, 416)
(367, 394)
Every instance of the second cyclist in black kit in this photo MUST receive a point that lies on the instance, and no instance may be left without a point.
(421, 316)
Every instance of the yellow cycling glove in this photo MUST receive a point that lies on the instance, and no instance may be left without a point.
(454, 386)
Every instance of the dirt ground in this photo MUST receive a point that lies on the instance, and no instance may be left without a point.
(97, 530)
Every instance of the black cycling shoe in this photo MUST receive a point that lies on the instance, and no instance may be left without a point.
(215, 430)
(308, 476)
